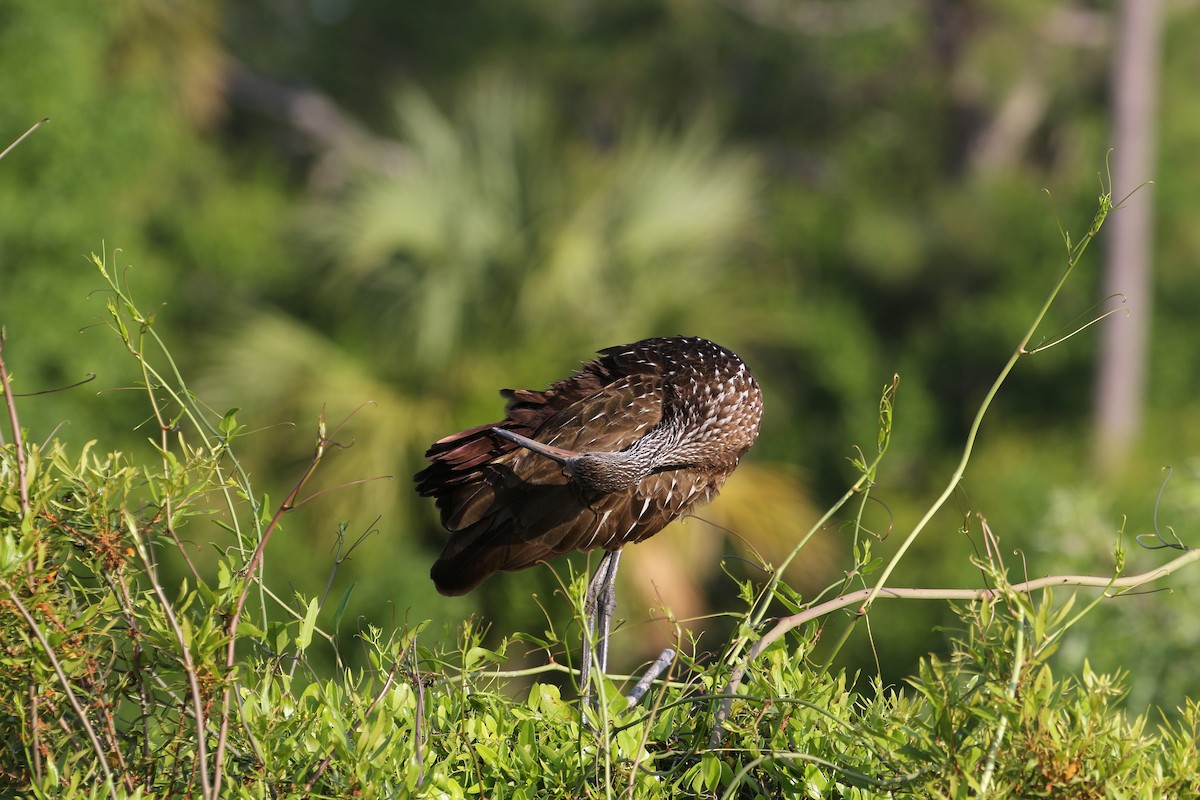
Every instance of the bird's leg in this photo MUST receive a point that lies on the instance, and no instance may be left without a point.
(606, 604)
(594, 471)
(598, 607)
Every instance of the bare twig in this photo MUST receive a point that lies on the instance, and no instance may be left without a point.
(419, 718)
(1076, 331)
(251, 568)
(6, 387)
(185, 655)
(101, 757)
(859, 597)
(21, 138)
(14, 422)
(120, 590)
(861, 487)
(648, 677)
(91, 376)
(35, 744)
(1018, 663)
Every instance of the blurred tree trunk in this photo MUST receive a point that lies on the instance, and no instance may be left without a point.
(1120, 384)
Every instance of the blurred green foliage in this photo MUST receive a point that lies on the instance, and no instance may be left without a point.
(500, 188)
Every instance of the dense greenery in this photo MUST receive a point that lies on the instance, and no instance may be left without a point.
(114, 683)
(378, 214)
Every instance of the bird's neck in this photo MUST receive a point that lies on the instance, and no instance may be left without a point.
(608, 472)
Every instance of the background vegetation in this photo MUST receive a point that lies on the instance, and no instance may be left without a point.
(330, 204)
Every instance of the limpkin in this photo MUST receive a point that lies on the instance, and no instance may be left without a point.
(602, 459)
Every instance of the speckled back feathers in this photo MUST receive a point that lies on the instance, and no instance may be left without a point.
(683, 409)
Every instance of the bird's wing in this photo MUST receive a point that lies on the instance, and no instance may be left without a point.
(510, 523)
(507, 507)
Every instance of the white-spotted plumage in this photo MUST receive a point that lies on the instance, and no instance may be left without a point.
(637, 437)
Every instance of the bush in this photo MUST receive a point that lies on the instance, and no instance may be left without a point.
(113, 683)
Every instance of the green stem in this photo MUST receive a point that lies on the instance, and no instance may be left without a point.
(864, 483)
(1073, 256)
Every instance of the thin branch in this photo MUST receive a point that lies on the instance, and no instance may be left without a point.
(648, 677)
(419, 717)
(165, 429)
(208, 789)
(101, 757)
(864, 483)
(1078, 330)
(1074, 253)
(21, 138)
(35, 744)
(343, 485)
(185, 654)
(288, 504)
(14, 422)
(91, 376)
(786, 624)
(1018, 664)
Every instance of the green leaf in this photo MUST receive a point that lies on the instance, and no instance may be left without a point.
(708, 774)
(228, 425)
(306, 627)
(341, 608)
(12, 554)
(247, 629)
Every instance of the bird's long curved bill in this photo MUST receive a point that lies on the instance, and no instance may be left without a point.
(557, 454)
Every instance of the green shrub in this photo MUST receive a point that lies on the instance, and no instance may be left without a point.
(114, 683)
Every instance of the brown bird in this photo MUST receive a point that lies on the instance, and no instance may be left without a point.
(602, 459)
